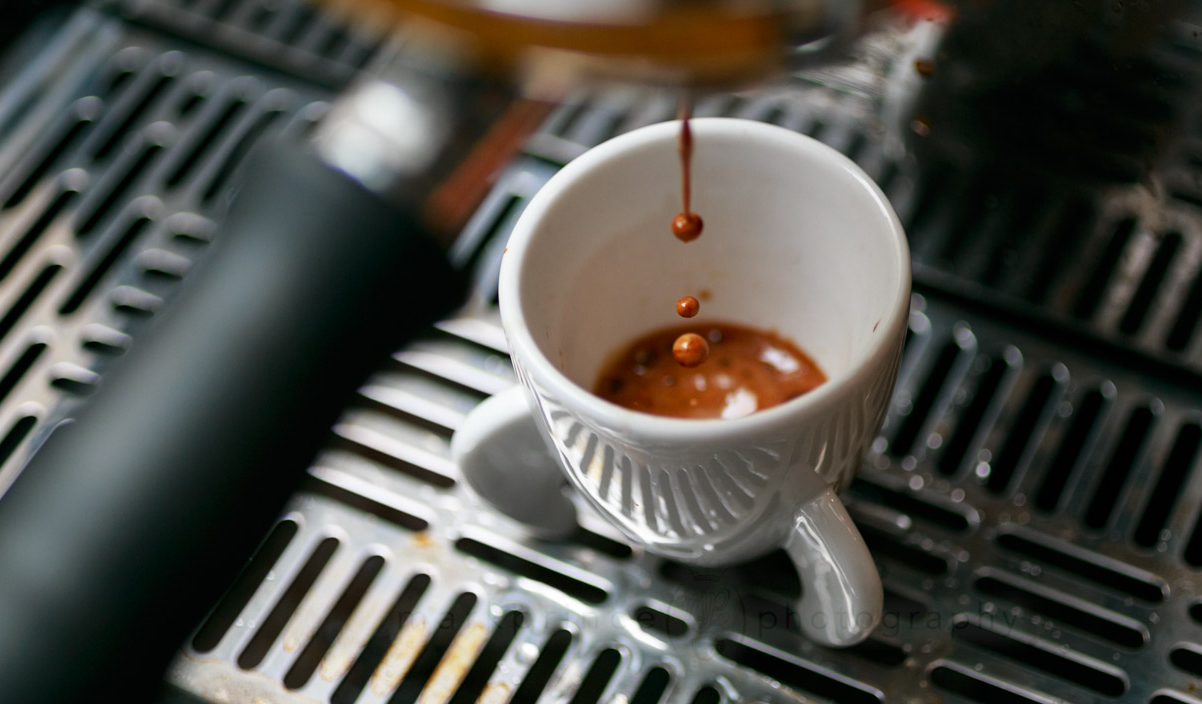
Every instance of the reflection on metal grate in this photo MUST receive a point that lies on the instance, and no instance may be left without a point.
(292, 36)
(1032, 500)
(93, 232)
(104, 210)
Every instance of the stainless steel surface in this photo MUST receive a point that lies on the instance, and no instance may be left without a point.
(1033, 500)
(118, 152)
(669, 41)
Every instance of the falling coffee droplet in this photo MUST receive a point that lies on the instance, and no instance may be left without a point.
(687, 307)
(687, 226)
(690, 349)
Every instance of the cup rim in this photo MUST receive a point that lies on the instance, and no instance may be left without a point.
(609, 414)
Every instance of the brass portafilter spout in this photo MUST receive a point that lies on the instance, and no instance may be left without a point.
(128, 523)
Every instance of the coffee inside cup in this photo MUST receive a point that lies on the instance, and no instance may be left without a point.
(792, 244)
(747, 370)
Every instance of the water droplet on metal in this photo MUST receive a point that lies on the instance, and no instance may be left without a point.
(527, 653)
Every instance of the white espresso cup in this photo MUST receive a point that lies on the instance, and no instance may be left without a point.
(797, 240)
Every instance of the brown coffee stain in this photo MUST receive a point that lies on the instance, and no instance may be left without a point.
(213, 680)
(494, 693)
(353, 638)
(455, 664)
(334, 665)
(303, 624)
(399, 658)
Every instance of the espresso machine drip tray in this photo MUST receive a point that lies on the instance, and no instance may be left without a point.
(1034, 500)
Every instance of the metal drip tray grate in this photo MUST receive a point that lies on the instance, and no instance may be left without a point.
(1053, 557)
(1032, 501)
(116, 150)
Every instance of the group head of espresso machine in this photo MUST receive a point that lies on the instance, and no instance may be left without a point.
(195, 441)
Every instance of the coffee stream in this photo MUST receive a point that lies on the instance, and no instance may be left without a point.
(687, 225)
(690, 349)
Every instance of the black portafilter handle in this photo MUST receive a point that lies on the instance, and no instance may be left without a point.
(129, 523)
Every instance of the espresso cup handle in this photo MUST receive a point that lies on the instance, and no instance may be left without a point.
(841, 589)
(504, 459)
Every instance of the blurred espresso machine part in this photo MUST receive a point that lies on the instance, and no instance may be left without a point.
(658, 41)
(1029, 499)
(458, 63)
